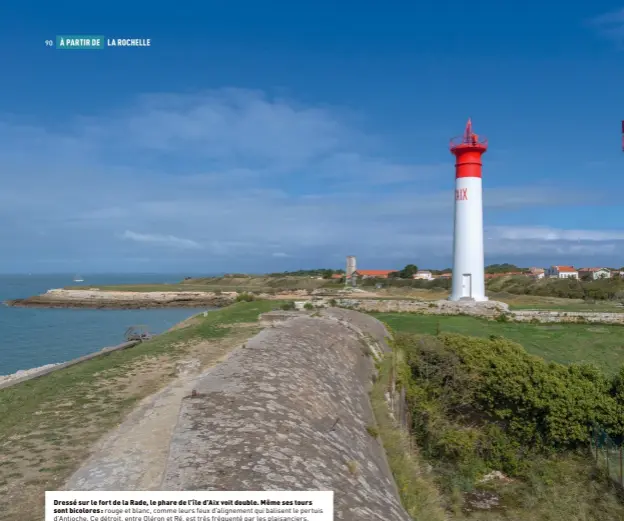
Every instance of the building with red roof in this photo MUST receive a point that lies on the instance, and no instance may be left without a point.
(373, 274)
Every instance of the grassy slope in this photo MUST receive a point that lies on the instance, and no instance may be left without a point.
(562, 487)
(257, 284)
(48, 424)
(598, 344)
(556, 304)
(419, 494)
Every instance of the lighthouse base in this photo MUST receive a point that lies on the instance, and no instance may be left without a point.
(468, 299)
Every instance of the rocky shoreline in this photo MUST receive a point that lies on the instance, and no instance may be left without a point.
(96, 299)
(25, 372)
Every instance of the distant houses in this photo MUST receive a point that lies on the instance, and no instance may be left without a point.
(537, 273)
(555, 271)
(562, 272)
(373, 274)
(594, 273)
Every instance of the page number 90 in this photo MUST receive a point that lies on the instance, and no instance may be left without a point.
(49, 43)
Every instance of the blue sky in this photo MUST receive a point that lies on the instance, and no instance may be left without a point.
(257, 138)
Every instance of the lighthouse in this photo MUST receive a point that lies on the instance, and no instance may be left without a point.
(468, 261)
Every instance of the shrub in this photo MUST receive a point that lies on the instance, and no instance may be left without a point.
(372, 430)
(245, 297)
(490, 398)
(308, 305)
(286, 306)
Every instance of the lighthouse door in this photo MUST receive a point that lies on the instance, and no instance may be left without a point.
(466, 285)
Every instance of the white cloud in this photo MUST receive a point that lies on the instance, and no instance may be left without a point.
(610, 25)
(160, 240)
(233, 176)
(547, 241)
(547, 234)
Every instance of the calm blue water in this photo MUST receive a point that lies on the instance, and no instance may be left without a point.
(31, 337)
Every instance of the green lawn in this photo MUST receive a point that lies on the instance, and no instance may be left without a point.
(564, 343)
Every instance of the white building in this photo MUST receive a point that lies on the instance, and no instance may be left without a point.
(537, 273)
(561, 272)
(594, 273)
(423, 275)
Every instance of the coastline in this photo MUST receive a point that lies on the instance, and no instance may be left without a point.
(17, 375)
(6, 380)
(65, 413)
(96, 299)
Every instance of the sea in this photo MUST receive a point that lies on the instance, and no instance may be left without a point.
(32, 337)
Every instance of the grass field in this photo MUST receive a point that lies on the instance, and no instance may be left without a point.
(255, 284)
(564, 343)
(47, 425)
(556, 304)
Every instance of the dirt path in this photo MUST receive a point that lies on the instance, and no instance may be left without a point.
(139, 446)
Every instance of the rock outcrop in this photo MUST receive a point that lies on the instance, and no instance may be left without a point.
(68, 298)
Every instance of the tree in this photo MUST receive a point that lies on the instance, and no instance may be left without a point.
(503, 268)
(408, 271)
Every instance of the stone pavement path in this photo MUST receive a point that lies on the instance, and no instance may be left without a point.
(287, 411)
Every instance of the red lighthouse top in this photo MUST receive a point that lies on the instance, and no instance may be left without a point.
(468, 149)
(468, 140)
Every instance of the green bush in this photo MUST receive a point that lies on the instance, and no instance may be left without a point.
(308, 306)
(286, 306)
(489, 399)
(245, 297)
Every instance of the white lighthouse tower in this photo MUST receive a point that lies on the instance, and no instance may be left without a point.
(468, 259)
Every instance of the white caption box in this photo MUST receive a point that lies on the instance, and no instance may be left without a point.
(189, 506)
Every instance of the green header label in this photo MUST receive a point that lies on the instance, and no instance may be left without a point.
(80, 42)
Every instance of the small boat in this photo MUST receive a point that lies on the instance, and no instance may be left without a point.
(78, 278)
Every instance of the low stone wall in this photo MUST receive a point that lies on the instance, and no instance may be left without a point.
(567, 317)
(272, 317)
(488, 309)
(289, 410)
